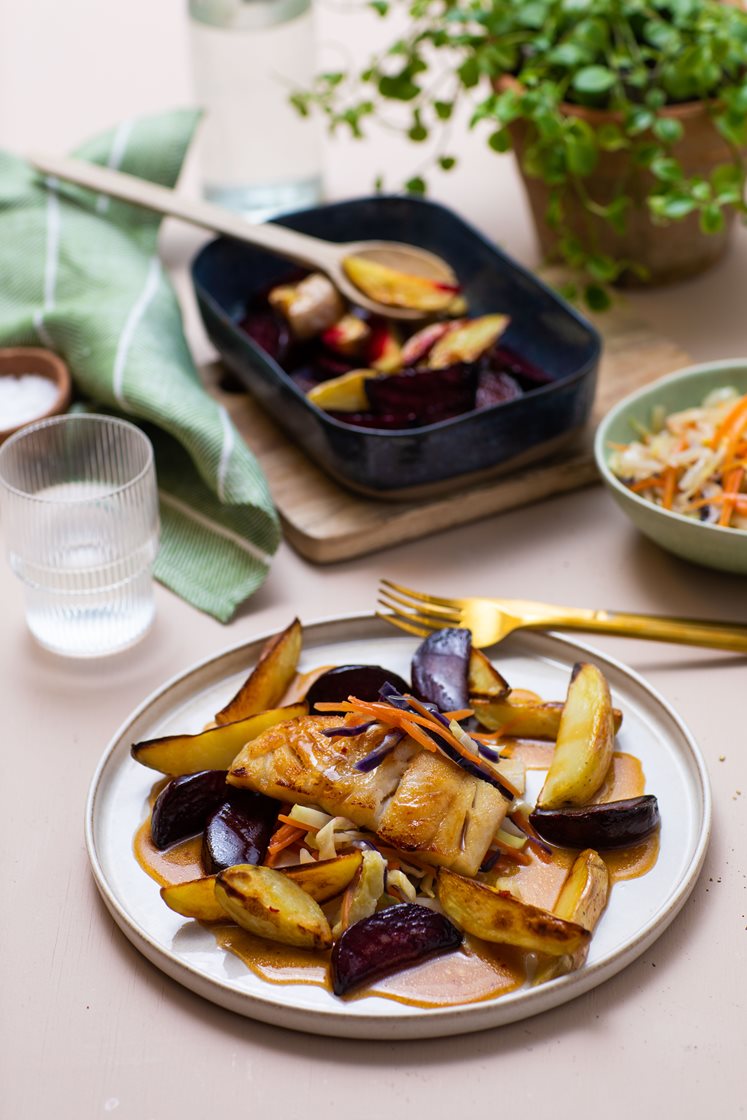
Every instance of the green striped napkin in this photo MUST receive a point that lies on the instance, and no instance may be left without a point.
(81, 276)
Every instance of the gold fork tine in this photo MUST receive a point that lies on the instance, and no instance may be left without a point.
(416, 617)
(418, 631)
(431, 600)
(440, 615)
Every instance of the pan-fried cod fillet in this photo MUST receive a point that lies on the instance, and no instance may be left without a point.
(414, 800)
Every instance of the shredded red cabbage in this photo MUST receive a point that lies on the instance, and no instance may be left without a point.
(378, 754)
(347, 731)
(390, 695)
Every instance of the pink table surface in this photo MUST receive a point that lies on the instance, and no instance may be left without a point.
(88, 1026)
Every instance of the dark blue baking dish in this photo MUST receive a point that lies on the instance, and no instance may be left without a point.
(440, 456)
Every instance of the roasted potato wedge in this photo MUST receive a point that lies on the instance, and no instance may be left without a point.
(484, 682)
(499, 917)
(585, 742)
(269, 680)
(346, 393)
(397, 289)
(269, 904)
(195, 899)
(328, 877)
(585, 891)
(468, 342)
(535, 720)
(214, 749)
(582, 900)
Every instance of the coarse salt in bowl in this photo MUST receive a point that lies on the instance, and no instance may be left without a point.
(34, 384)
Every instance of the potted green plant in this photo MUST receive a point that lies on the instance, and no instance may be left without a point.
(628, 117)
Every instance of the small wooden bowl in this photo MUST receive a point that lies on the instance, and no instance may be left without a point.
(31, 359)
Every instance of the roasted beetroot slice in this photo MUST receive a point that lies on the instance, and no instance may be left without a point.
(184, 804)
(387, 942)
(496, 388)
(362, 681)
(440, 668)
(268, 330)
(238, 831)
(429, 395)
(614, 824)
(502, 358)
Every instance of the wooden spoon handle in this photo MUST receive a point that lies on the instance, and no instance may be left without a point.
(299, 247)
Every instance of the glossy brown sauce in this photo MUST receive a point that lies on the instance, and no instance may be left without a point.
(476, 972)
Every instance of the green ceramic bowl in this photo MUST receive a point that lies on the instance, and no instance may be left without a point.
(711, 545)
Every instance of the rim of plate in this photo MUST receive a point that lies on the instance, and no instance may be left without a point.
(420, 1023)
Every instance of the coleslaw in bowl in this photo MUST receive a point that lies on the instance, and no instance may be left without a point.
(673, 456)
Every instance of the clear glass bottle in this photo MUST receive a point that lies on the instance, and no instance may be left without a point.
(259, 156)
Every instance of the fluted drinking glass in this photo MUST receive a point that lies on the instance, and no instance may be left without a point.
(80, 519)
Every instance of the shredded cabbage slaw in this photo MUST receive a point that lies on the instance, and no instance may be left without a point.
(692, 462)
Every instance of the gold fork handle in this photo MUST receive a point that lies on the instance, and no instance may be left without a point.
(657, 628)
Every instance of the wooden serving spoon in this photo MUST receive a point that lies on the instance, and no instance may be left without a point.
(311, 252)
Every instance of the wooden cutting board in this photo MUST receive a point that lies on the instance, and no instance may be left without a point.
(324, 522)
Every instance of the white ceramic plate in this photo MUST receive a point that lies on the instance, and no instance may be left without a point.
(639, 909)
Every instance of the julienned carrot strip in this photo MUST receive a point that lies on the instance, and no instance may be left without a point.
(418, 735)
(296, 824)
(444, 732)
(671, 475)
(383, 712)
(653, 482)
(282, 838)
(731, 487)
(670, 485)
(512, 853)
(462, 713)
(732, 420)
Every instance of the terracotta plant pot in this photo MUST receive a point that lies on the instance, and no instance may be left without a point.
(669, 252)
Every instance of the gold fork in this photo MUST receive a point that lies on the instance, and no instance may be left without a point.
(491, 620)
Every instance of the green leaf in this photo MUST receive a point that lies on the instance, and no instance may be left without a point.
(500, 141)
(593, 34)
(597, 298)
(666, 169)
(380, 6)
(446, 162)
(379, 184)
(443, 109)
(469, 72)
(668, 130)
(603, 267)
(593, 80)
(617, 213)
(671, 207)
(398, 88)
(610, 138)
(581, 156)
(416, 185)
(712, 219)
(508, 106)
(532, 14)
(640, 120)
(661, 35)
(299, 101)
(568, 54)
(700, 190)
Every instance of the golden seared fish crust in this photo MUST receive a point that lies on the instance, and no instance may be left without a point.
(414, 800)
